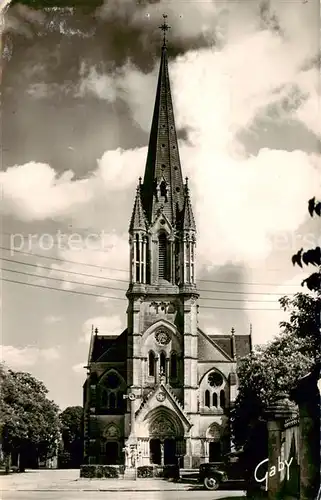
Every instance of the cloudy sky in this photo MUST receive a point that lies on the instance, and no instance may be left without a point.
(78, 95)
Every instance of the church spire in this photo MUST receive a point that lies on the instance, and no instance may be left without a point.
(163, 181)
(138, 220)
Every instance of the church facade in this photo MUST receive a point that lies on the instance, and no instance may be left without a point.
(161, 391)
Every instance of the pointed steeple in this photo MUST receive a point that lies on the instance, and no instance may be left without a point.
(138, 220)
(163, 180)
(188, 217)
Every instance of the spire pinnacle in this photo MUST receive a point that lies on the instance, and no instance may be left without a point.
(164, 27)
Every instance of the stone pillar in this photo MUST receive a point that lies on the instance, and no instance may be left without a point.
(281, 410)
(188, 454)
(167, 374)
(306, 395)
(162, 453)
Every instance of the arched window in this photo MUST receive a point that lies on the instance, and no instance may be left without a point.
(173, 365)
(162, 362)
(151, 364)
(214, 399)
(137, 263)
(162, 256)
(111, 392)
(222, 399)
(207, 398)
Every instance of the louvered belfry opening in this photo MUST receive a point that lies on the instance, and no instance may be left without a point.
(162, 257)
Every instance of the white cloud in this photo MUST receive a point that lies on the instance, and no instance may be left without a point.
(107, 325)
(79, 368)
(33, 191)
(217, 93)
(19, 358)
(52, 319)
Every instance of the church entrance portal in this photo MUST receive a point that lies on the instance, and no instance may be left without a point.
(111, 456)
(215, 454)
(163, 452)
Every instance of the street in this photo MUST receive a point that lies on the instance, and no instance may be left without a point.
(122, 495)
(58, 484)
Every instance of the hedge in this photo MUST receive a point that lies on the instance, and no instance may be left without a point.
(100, 471)
(145, 471)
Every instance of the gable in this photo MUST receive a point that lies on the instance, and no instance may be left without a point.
(162, 396)
(209, 350)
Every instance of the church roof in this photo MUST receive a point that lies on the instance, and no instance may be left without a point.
(163, 163)
(242, 344)
(138, 220)
(109, 348)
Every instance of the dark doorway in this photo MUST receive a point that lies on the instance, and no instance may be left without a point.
(155, 451)
(111, 452)
(215, 454)
(170, 452)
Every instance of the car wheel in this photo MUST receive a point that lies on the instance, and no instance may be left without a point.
(211, 483)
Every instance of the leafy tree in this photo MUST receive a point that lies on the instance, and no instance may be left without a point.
(271, 369)
(311, 256)
(71, 432)
(29, 421)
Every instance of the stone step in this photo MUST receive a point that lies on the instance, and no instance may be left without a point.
(130, 474)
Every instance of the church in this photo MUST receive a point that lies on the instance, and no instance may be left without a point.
(161, 391)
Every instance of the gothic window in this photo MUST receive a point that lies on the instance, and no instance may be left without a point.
(162, 256)
(137, 263)
(162, 362)
(222, 399)
(187, 263)
(192, 262)
(215, 399)
(111, 392)
(151, 364)
(174, 365)
(207, 398)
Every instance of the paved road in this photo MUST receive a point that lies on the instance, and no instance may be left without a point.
(122, 495)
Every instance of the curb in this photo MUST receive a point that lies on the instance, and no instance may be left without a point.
(92, 489)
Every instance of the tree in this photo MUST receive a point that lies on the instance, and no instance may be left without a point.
(269, 370)
(71, 432)
(311, 256)
(29, 421)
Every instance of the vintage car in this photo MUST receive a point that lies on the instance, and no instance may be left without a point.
(212, 475)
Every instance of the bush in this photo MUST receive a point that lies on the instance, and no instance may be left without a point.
(99, 471)
(145, 471)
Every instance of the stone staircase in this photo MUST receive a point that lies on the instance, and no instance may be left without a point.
(130, 474)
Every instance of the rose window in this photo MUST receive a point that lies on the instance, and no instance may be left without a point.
(162, 337)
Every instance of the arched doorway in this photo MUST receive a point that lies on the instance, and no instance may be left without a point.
(111, 440)
(166, 436)
(111, 452)
(213, 435)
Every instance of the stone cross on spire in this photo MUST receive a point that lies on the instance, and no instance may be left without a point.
(164, 27)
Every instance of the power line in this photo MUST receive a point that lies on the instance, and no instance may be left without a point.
(83, 263)
(122, 290)
(120, 298)
(123, 270)
(123, 281)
